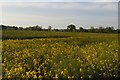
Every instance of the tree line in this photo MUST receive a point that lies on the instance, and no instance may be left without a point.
(70, 28)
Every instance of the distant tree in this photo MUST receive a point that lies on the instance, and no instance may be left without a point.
(109, 29)
(81, 29)
(3, 27)
(20, 28)
(15, 27)
(101, 29)
(0, 27)
(56, 29)
(92, 29)
(49, 28)
(36, 28)
(85, 30)
(71, 27)
(118, 30)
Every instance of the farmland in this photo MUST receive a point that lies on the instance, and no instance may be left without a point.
(52, 55)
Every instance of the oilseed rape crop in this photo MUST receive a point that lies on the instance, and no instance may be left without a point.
(60, 58)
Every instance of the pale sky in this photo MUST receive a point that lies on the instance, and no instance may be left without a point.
(59, 0)
(59, 13)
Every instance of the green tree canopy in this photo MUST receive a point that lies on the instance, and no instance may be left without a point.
(71, 27)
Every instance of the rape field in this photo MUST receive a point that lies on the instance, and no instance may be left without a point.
(77, 56)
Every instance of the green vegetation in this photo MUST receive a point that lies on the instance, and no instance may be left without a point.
(23, 34)
(0, 58)
(69, 28)
(12, 34)
(62, 55)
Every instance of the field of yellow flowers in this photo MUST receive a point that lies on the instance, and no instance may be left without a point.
(81, 57)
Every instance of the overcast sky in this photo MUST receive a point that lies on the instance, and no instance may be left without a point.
(59, 14)
(59, 0)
